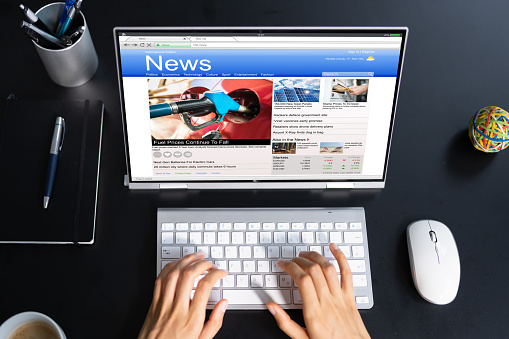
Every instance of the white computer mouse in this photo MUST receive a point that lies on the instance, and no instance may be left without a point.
(434, 261)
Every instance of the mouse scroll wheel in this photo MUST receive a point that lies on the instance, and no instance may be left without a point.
(433, 236)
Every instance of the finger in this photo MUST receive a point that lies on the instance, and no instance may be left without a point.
(170, 275)
(201, 296)
(344, 269)
(303, 280)
(186, 282)
(329, 271)
(213, 325)
(315, 272)
(285, 323)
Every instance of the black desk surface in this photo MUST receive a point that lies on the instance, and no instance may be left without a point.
(456, 63)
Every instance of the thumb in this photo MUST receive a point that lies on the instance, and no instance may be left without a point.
(285, 323)
(213, 325)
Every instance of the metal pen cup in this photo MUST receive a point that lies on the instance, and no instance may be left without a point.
(71, 66)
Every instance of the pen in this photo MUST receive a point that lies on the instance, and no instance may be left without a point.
(56, 146)
(37, 33)
(34, 19)
(67, 6)
(73, 11)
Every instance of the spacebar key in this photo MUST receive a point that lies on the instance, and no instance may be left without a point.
(257, 297)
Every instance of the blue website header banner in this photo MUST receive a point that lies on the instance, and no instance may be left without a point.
(257, 63)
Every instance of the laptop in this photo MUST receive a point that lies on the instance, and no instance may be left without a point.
(258, 107)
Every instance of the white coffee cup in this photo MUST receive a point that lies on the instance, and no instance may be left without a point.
(15, 322)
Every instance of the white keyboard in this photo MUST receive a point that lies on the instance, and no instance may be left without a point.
(247, 242)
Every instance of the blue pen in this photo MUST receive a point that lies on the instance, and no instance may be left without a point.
(63, 17)
(73, 11)
(56, 146)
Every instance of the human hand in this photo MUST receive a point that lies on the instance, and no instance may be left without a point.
(329, 308)
(172, 314)
(358, 90)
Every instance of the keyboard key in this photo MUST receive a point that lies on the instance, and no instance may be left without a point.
(196, 226)
(204, 249)
(293, 237)
(355, 226)
(209, 238)
(353, 237)
(358, 251)
(362, 300)
(221, 264)
(214, 297)
(249, 266)
(223, 238)
(326, 226)
(245, 252)
(252, 238)
(269, 226)
(340, 225)
(230, 252)
(308, 237)
(275, 267)
(335, 237)
(257, 297)
(242, 281)
(322, 238)
(287, 252)
(211, 226)
(265, 238)
(271, 280)
(273, 252)
(259, 252)
(237, 238)
(279, 237)
(360, 280)
(195, 238)
(181, 238)
(285, 281)
(256, 281)
(254, 225)
(216, 252)
(182, 226)
(311, 225)
(357, 266)
(167, 238)
(225, 226)
(263, 266)
(297, 225)
(234, 266)
(283, 225)
(167, 226)
(170, 252)
(239, 226)
(187, 250)
(296, 297)
(327, 253)
(229, 281)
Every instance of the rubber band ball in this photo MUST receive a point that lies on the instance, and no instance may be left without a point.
(489, 129)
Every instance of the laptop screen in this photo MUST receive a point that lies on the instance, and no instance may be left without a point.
(258, 107)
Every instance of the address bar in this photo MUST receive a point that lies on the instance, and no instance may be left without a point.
(283, 45)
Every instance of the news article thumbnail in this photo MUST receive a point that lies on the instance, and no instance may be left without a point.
(239, 110)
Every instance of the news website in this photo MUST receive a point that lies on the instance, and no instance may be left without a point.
(258, 110)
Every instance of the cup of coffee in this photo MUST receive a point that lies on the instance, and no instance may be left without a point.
(31, 325)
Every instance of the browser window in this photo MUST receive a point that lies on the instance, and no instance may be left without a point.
(245, 106)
